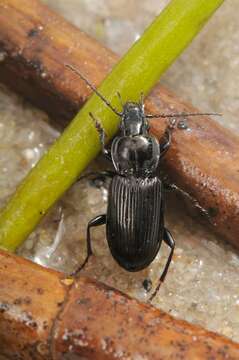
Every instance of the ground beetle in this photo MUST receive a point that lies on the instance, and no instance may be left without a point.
(135, 213)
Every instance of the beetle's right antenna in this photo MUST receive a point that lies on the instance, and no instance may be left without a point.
(183, 114)
(75, 70)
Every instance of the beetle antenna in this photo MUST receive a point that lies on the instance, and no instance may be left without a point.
(150, 116)
(75, 70)
(142, 99)
(120, 99)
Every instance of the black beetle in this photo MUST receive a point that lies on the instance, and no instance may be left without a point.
(135, 213)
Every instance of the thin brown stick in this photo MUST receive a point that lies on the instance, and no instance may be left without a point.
(45, 316)
(36, 44)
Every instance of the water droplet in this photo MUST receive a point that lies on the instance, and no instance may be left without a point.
(43, 74)
(182, 125)
(3, 55)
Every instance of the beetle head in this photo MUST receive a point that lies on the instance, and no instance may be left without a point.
(133, 119)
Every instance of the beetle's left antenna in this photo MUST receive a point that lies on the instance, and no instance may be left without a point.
(75, 70)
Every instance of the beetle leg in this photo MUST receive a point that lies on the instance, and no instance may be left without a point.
(173, 187)
(168, 239)
(165, 145)
(98, 220)
(98, 174)
(102, 135)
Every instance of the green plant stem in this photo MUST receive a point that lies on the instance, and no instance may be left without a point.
(138, 71)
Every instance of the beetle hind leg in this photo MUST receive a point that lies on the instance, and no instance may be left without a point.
(168, 239)
(98, 220)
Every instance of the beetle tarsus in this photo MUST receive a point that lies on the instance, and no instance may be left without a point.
(78, 270)
(168, 239)
(102, 136)
(165, 144)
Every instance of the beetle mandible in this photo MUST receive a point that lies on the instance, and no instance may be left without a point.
(135, 213)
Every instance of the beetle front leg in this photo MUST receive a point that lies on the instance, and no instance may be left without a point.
(98, 220)
(102, 135)
(165, 145)
(168, 239)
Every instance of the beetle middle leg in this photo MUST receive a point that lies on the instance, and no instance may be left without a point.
(98, 174)
(168, 239)
(173, 187)
(98, 220)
